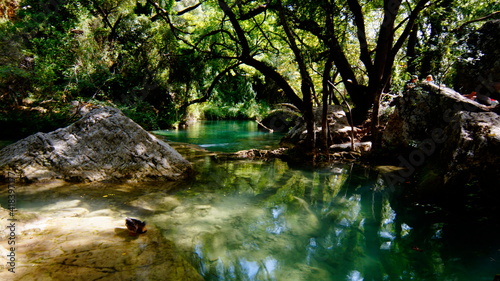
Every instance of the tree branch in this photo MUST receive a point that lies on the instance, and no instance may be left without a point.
(251, 14)
(269, 41)
(210, 89)
(164, 14)
(338, 55)
(214, 32)
(247, 58)
(237, 28)
(307, 86)
(409, 26)
(189, 9)
(384, 41)
(360, 24)
(276, 77)
(494, 14)
(112, 35)
(104, 16)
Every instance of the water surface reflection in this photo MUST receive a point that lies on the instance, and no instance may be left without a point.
(225, 136)
(250, 220)
(256, 220)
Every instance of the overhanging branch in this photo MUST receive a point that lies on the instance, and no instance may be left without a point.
(359, 19)
(210, 89)
(189, 9)
(494, 14)
(253, 13)
(409, 26)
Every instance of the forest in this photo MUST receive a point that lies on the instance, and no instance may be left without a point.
(166, 62)
(387, 168)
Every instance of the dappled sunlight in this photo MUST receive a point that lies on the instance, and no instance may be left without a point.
(240, 220)
(284, 224)
(36, 187)
(69, 239)
(237, 232)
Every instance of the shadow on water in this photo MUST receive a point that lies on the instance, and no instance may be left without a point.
(250, 220)
(262, 220)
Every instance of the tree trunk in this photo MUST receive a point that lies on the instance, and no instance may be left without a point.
(327, 92)
(262, 67)
(307, 86)
(411, 51)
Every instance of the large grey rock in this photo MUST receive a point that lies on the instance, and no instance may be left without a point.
(472, 149)
(280, 120)
(339, 128)
(423, 110)
(103, 145)
(444, 140)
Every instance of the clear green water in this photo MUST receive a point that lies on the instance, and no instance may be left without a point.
(224, 136)
(255, 220)
(265, 221)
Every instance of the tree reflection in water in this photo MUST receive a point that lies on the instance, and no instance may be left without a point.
(243, 220)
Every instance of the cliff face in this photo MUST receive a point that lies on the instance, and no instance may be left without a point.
(102, 145)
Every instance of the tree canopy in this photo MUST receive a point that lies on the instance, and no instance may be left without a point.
(162, 61)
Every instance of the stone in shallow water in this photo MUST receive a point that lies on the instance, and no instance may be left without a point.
(103, 145)
(156, 202)
(92, 248)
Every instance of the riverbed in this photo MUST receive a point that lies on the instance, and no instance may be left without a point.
(267, 220)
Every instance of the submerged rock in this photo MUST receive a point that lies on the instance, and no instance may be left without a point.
(66, 247)
(103, 145)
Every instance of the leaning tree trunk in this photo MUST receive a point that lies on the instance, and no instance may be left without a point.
(307, 86)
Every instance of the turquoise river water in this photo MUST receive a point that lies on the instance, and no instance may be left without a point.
(266, 220)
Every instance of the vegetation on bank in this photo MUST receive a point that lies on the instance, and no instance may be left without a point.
(164, 62)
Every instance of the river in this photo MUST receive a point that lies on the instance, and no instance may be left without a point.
(266, 220)
(224, 136)
(254, 220)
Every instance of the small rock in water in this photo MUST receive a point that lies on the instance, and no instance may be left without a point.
(135, 226)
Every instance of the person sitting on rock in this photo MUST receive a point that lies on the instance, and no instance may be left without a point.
(412, 83)
(483, 97)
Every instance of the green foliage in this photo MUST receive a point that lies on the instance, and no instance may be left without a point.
(21, 122)
(143, 114)
(239, 111)
(479, 67)
(87, 50)
(15, 68)
(234, 89)
(442, 33)
(125, 53)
